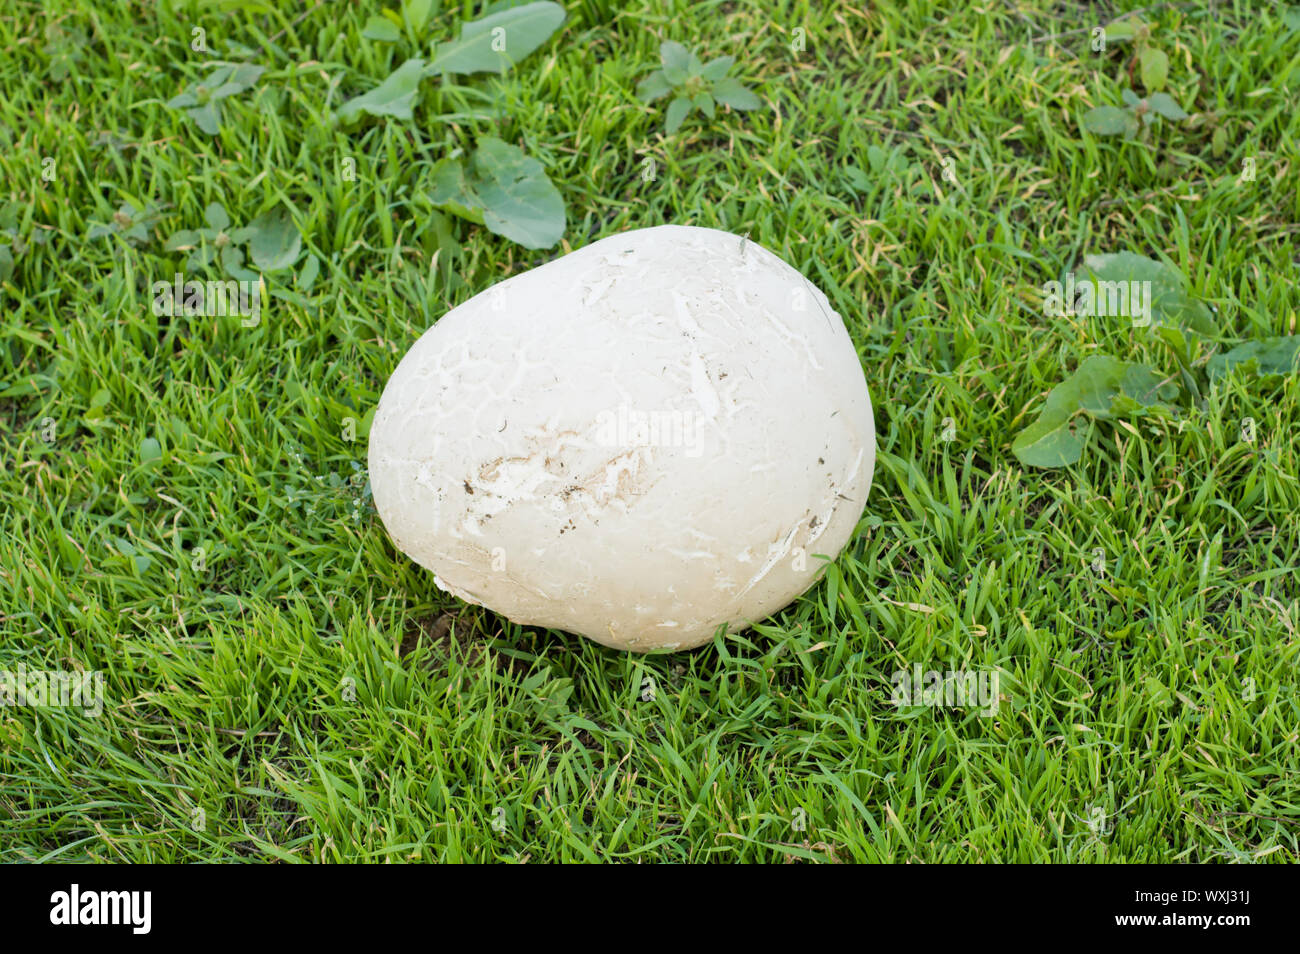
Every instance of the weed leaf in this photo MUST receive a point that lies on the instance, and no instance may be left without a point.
(1266, 357)
(273, 240)
(678, 110)
(1154, 66)
(1166, 106)
(677, 62)
(382, 30)
(393, 97)
(655, 86)
(1102, 388)
(1110, 121)
(1170, 303)
(496, 42)
(506, 191)
(729, 91)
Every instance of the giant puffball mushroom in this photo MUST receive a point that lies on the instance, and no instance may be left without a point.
(641, 441)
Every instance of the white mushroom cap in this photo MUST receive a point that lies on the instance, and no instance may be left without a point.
(638, 442)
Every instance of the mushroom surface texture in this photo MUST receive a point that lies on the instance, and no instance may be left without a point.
(646, 439)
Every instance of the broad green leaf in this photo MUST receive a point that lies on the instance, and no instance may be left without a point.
(1103, 387)
(150, 450)
(207, 117)
(224, 90)
(677, 61)
(1166, 106)
(222, 82)
(394, 97)
(1054, 443)
(729, 91)
(715, 70)
(694, 66)
(704, 103)
(416, 13)
(857, 178)
(1110, 121)
(1219, 142)
(1110, 388)
(218, 76)
(273, 240)
(496, 42)
(678, 110)
(1122, 29)
(655, 86)
(245, 75)
(6, 263)
(506, 191)
(518, 200)
(381, 29)
(182, 240)
(1266, 357)
(216, 217)
(201, 257)
(496, 6)
(451, 190)
(1154, 67)
(1170, 304)
(232, 261)
(310, 269)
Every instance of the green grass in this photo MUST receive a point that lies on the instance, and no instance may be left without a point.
(303, 692)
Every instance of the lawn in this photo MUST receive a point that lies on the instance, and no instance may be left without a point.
(184, 507)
